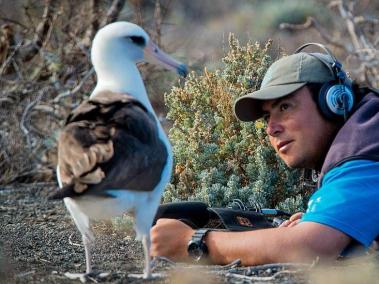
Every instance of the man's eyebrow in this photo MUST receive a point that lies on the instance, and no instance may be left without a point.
(274, 104)
(278, 101)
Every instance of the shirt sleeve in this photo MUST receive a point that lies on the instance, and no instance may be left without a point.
(348, 199)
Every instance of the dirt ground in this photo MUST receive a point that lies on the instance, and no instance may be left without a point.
(39, 243)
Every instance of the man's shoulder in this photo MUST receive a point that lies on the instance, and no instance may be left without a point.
(347, 200)
(353, 169)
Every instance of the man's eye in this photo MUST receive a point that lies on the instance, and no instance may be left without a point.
(284, 107)
(266, 117)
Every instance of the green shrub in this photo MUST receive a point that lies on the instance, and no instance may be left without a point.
(218, 158)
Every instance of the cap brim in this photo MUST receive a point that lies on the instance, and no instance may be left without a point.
(248, 107)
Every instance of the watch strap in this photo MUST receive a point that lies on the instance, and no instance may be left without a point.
(200, 234)
(197, 248)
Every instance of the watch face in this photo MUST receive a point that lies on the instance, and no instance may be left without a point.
(195, 251)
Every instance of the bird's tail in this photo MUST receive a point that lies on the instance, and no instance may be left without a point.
(65, 191)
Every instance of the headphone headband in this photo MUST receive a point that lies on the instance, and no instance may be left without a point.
(335, 99)
(335, 67)
(323, 47)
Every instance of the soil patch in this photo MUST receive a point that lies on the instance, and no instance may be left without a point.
(39, 243)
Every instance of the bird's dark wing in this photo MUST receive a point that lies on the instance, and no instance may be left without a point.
(109, 142)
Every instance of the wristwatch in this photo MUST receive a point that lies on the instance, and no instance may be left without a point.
(197, 248)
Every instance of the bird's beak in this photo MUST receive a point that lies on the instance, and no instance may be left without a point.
(154, 55)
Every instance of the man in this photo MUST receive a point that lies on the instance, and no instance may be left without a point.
(307, 129)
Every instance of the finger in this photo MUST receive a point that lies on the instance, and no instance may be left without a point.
(296, 216)
(285, 224)
(161, 221)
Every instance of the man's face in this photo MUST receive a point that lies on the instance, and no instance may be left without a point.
(296, 129)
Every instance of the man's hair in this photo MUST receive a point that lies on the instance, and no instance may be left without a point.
(315, 88)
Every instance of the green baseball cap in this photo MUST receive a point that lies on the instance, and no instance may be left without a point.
(284, 77)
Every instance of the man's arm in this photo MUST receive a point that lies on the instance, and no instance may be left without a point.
(303, 242)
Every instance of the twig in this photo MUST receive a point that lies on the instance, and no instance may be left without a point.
(25, 114)
(94, 25)
(28, 16)
(43, 44)
(233, 264)
(79, 44)
(4, 158)
(165, 9)
(31, 49)
(370, 51)
(17, 69)
(158, 22)
(313, 23)
(138, 18)
(76, 89)
(13, 21)
(23, 274)
(9, 100)
(44, 260)
(29, 173)
(349, 19)
(50, 110)
(363, 20)
(261, 278)
(113, 12)
(72, 243)
(9, 59)
(157, 259)
(92, 279)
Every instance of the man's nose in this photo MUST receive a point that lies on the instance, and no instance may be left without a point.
(274, 128)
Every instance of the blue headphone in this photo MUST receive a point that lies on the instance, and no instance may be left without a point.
(336, 98)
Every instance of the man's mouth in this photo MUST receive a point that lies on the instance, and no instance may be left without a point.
(282, 146)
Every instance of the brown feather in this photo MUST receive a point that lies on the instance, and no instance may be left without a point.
(110, 142)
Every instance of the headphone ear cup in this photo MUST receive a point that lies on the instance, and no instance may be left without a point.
(335, 100)
(322, 102)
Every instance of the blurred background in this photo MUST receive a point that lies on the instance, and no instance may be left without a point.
(45, 68)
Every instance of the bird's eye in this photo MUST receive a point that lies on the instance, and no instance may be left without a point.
(138, 40)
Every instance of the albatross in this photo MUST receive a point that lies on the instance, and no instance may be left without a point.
(113, 154)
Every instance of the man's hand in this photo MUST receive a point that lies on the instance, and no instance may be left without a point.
(169, 238)
(293, 220)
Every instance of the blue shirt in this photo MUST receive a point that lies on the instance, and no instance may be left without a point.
(348, 200)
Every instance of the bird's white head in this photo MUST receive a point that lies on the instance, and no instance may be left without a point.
(117, 48)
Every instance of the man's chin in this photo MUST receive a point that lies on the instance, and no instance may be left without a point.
(293, 164)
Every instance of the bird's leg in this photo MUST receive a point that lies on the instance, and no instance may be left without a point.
(142, 225)
(87, 242)
(146, 248)
(147, 274)
(87, 249)
(90, 274)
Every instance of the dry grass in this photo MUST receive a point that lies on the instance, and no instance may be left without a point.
(186, 276)
(359, 270)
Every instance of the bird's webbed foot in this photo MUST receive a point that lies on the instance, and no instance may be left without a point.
(93, 276)
(146, 276)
